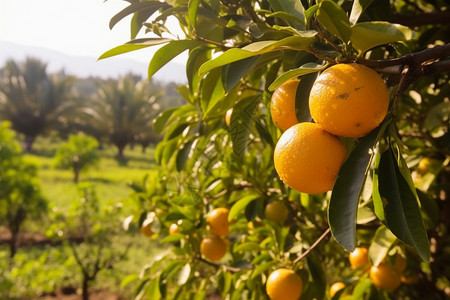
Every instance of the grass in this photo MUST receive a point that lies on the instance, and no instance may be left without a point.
(109, 178)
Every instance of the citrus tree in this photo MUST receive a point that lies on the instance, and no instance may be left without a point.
(335, 110)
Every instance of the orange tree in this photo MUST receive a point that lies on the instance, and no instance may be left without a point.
(239, 53)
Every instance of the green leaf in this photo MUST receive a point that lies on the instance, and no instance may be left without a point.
(129, 279)
(153, 289)
(299, 42)
(305, 69)
(302, 97)
(262, 268)
(197, 57)
(383, 240)
(212, 91)
(241, 121)
(357, 9)
(168, 52)
(240, 205)
(345, 197)
(161, 121)
(292, 7)
(317, 274)
(192, 12)
(234, 72)
(133, 46)
(149, 6)
(246, 247)
(377, 201)
(367, 35)
(437, 116)
(401, 210)
(184, 155)
(334, 19)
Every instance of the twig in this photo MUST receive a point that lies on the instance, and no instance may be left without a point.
(314, 245)
(411, 59)
(404, 81)
(217, 266)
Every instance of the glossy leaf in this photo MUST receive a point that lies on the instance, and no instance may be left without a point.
(334, 19)
(133, 46)
(345, 197)
(367, 35)
(357, 9)
(305, 69)
(292, 7)
(184, 155)
(377, 201)
(302, 97)
(300, 42)
(241, 121)
(168, 52)
(193, 6)
(318, 275)
(240, 205)
(401, 209)
(149, 6)
(383, 240)
(234, 72)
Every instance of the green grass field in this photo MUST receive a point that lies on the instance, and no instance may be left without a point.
(109, 178)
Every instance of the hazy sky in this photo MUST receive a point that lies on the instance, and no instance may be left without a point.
(77, 27)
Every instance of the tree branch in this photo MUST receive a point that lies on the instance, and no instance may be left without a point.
(314, 245)
(433, 18)
(411, 59)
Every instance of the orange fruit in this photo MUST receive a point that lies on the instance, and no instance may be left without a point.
(336, 287)
(218, 221)
(214, 248)
(349, 100)
(276, 211)
(308, 158)
(359, 258)
(282, 105)
(385, 277)
(173, 229)
(400, 263)
(228, 116)
(146, 228)
(284, 284)
(411, 279)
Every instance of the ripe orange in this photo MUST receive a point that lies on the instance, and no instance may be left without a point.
(284, 284)
(218, 221)
(282, 105)
(277, 212)
(385, 277)
(359, 258)
(336, 287)
(400, 263)
(146, 228)
(173, 229)
(214, 248)
(349, 100)
(411, 279)
(228, 116)
(308, 158)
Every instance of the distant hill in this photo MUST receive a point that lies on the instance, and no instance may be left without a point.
(84, 66)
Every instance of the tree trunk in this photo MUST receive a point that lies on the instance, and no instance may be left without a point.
(29, 140)
(76, 175)
(13, 243)
(85, 287)
(120, 155)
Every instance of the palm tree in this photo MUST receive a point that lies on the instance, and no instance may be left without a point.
(33, 101)
(123, 109)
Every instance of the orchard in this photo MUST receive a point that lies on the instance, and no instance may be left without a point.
(311, 158)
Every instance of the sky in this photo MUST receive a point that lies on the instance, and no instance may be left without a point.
(75, 27)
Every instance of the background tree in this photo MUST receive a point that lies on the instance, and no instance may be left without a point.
(122, 109)
(33, 101)
(77, 154)
(90, 222)
(20, 197)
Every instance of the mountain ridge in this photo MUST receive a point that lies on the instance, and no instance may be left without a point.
(87, 66)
